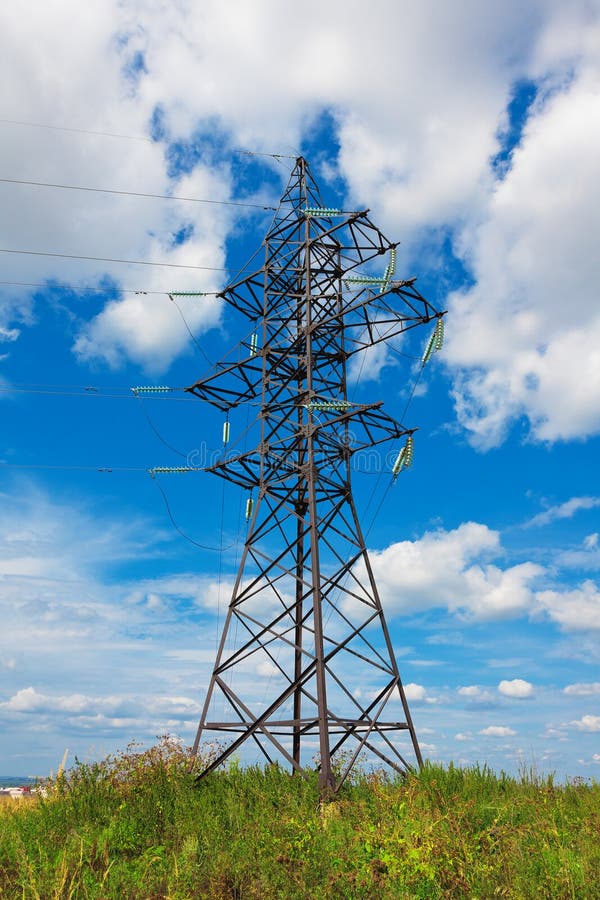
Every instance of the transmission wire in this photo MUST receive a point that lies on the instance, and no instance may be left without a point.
(81, 289)
(128, 137)
(189, 331)
(157, 432)
(104, 469)
(95, 190)
(176, 526)
(85, 393)
(391, 482)
(134, 262)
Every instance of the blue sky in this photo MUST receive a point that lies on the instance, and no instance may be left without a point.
(472, 136)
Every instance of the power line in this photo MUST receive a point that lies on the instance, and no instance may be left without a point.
(258, 153)
(127, 137)
(86, 392)
(219, 549)
(103, 469)
(98, 290)
(134, 262)
(157, 432)
(191, 333)
(94, 190)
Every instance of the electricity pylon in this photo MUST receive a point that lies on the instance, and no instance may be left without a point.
(305, 616)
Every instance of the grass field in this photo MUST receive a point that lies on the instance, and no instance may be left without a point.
(136, 826)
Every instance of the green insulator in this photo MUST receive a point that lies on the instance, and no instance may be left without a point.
(152, 389)
(226, 432)
(399, 464)
(390, 268)
(364, 279)
(435, 342)
(429, 349)
(324, 211)
(392, 263)
(405, 457)
(438, 335)
(409, 449)
(249, 508)
(253, 344)
(169, 470)
(328, 404)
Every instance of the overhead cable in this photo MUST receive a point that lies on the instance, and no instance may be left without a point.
(99, 290)
(129, 137)
(112, 134)
(103, 469)
(94, 190)
(134, 262)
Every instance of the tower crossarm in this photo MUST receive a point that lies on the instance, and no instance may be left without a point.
(231, 385)
(369, 318)
(338, 437)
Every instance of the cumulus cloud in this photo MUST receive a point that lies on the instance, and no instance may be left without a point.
(587, 723)
(448, 568)
(582, 689)
(470, 690)
(29, 700)
(497, 731)
(516, 688)
(452, 570)
(524, 335)
(188, 83)
(575, 610)
(476, 695)
(415, 692)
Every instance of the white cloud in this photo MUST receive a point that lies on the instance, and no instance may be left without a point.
(463, 736)
(497, 731)
(266, 669)
(576, 610)
(591, 541)
(209, 69)
(587, 723)
(447, 569)
(476, 695)
(516, 688)
(566, 511)
(84, 84)
(86, 707)
(9, 334)
(471, 690)
(582, 689)
(523, 338)
(415, 692)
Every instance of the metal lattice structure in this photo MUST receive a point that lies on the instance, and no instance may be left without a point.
(305, 612)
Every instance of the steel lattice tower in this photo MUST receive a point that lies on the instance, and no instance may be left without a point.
(305, 611)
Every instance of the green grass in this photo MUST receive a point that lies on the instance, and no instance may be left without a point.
(136, 826)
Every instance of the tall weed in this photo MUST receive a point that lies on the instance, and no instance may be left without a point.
(136, 825)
